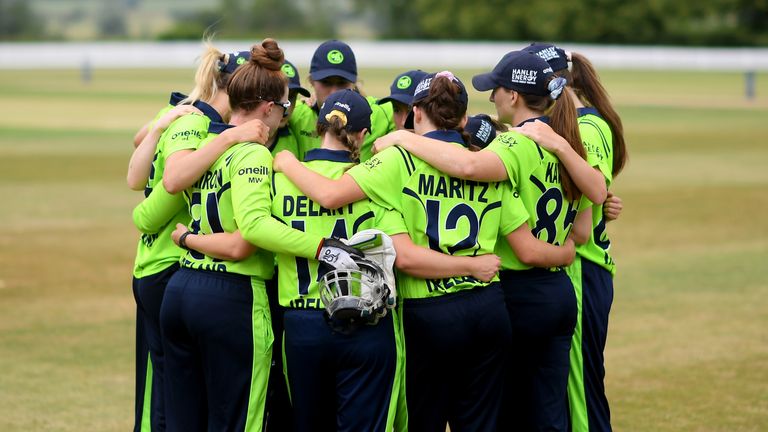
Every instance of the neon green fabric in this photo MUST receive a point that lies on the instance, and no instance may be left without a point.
(297, 276)
(263, 338)
(446, 214)
(235, 193)
(285, 140)
(598, 142)
(303, 124)
(577, 400)
(157, 215)
(185, 133)
(534, 174)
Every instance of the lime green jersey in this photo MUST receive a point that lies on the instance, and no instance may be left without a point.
(446, 214)
(297, 276)
(285, 140)
(534, 174)
(174, 100)
(235, 193)
(303, 124)
(156, 216)
(186, 132)
(598, 142)
(210, 204)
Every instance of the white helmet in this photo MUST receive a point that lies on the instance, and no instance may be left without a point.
(362, 295)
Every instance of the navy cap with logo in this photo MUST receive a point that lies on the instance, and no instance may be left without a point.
(480, 129)
(234, 60)
(348, 105)
(521, 71)
(554, 55)
(294, 82)
(333, 58)
(422, 91)
(403, 86)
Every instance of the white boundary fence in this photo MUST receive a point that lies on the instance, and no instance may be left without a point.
(401, 54)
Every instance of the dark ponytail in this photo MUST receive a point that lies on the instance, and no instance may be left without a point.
(442, 105)
(562, 118)
(586, 83)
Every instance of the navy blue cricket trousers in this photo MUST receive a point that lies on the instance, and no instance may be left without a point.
(339, 381)
(542, 311)
(456, 349)
(148, 293)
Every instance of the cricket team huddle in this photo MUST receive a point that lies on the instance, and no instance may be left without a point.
(338, 262)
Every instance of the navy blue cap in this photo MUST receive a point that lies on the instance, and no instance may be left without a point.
(350, 106)
(294, 82)
(422, 91)
(333, 58)
(403, 86)
(554, 55)
(518, 70)
(234, 60)
(480, 129)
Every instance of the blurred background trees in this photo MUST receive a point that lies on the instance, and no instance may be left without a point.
(662, 22)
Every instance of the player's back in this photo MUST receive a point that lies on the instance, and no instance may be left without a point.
(298, 276)
(447, 214)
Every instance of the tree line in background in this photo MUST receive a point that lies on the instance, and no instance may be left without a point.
(678, 22)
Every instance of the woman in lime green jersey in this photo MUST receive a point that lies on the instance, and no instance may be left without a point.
(540, 299)
(459, 318)
(156, 256)
(215, 317)
(592, 271)
(333, 67)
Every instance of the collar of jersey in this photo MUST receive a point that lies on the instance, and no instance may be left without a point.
(176, 97)
(208, 111)
(588, 110)
(328, 155)
(217, 127)
(283, 131)
(450, 136)
(545, 119)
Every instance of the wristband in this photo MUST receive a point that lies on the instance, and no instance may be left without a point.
(183, 240)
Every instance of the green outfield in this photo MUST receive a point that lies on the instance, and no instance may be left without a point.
(688, 341)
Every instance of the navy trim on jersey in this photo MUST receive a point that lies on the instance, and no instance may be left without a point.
(328, 155)
(209, 111)
(409, 165)
(450, 136)
(283, 131)
(545, 119)
(176, 97)
(587, 110)
(360, 220)
(218, 127)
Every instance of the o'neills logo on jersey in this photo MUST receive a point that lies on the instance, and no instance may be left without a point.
(524, 76)
(548, 53)
(187, 134)
(260, 170)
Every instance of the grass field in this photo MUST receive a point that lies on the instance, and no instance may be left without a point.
(688, 344)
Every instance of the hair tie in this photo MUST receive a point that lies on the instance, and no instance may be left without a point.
(568, 56)
(556, 87)
(338, 114)
(447, 74)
